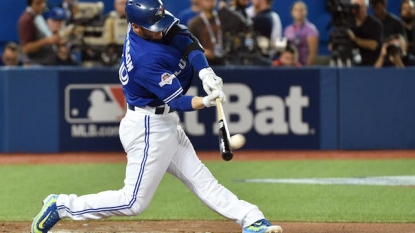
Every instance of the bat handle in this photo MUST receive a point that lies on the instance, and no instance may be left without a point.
(219, 108)
(218, 101)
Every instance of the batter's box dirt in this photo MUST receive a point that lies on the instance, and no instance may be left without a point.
(206, 226)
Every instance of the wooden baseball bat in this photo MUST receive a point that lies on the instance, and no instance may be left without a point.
(224, 136)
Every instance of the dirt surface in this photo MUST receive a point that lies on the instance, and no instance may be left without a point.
(107, 157)
(207, 226)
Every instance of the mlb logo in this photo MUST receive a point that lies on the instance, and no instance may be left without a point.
(94, 103)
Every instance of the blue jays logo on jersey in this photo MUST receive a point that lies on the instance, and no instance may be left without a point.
(94, 103)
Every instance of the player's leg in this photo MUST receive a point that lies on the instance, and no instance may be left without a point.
(148, 155)
(148, 141)
(187, 167)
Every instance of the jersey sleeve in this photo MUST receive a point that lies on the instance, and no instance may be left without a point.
(162, 82)
(181, 38)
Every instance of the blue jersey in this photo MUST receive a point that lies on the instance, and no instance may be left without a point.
(152, 72)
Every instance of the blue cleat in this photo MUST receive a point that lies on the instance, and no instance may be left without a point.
(262, 226)
(47, 217)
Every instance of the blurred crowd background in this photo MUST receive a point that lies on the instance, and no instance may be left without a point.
(90, 33)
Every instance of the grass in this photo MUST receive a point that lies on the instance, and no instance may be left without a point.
(24, 186)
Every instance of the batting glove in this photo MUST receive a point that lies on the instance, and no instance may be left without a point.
(210, 100)
(210, 80)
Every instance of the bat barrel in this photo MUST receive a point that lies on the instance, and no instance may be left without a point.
(224, 138)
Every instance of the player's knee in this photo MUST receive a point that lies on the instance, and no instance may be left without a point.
(135, 210)
(138, 208)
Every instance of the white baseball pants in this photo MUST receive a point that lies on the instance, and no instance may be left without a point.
(155, 144)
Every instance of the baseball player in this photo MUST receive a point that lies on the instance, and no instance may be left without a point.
(156, 70)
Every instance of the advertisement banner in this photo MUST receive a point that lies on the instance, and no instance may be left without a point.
(280, 111)
(277, 112)
(91, 109)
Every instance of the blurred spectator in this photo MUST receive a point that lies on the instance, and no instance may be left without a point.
(92, 33)
(119, 9)
(394, 53)
(69, 6)
(64, 56)
(187, 14)
(55, 19)
(240, 44)
(266, 22)
(115, 30)
(287, 57)
(407, 11)
(250, 11)
(234, 23)
(35, 37)
(302, 34)
(233, 17)
(240, 7)
(207, 29)
(391, 23)
(10, 56)
(367, 35)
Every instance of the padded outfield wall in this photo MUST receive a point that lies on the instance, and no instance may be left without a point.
(72, 109)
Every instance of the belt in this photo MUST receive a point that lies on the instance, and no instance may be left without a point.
(157, 110)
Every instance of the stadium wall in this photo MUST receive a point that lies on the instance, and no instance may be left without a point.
(70, 109)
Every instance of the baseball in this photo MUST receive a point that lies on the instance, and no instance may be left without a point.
(237, 141)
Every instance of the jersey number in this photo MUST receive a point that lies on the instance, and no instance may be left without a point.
(123, 74)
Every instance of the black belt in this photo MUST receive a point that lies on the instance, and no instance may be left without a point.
(157, 111)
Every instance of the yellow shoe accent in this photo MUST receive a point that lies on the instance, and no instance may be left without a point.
(48, 216)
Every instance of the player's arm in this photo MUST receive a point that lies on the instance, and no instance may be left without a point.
(181, 38)
(187, 103)
(192, 50)
(167, 88)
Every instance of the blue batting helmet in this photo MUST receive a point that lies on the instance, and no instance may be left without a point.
(149, 14)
